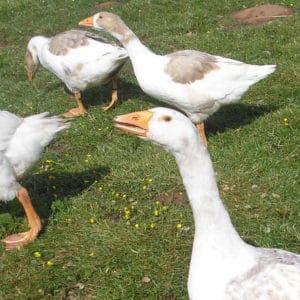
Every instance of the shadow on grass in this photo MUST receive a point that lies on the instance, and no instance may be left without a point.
(235, 116)
(228, 117)
(44, 191)
(102, 95)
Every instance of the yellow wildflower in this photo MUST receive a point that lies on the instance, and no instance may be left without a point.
(152, 225)
(165, 208)
(50, 263)
(37, 254)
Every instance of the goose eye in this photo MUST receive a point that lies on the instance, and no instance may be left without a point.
(167, 118)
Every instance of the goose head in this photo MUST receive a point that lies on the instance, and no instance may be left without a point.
(162, 126)
(31, 56)
(109, 22)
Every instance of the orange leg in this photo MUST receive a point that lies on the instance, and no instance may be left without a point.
(79, 110)
(201, 130)
(16, 241)
(114, 95)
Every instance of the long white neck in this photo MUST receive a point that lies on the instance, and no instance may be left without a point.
(219, 253)
(200, 183)
(131, 42)
(35, 47)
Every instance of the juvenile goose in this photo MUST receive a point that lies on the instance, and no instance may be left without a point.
(21, 143)
(80, 59)
(197, 83)
(223, 266)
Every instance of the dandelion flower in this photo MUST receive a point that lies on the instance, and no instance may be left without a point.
(179, 226)
(165, 208)
(157, 202)
(92, 220)
(144, 187)
(149, 179)
(136, 225)
(37, 254)
(156, 213)
(91, 254)
(152, 225)
(50, 263)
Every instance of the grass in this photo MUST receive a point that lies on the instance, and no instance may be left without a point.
(94, 183)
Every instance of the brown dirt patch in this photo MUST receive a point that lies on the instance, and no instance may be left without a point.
(108, 4)
(6, 46)
(262, 13)
(177, 198)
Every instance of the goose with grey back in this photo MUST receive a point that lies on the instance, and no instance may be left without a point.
(222, 266)
(22, 141)
(195, 82)
(80, 59)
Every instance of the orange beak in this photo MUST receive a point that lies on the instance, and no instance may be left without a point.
(136, 122)
(30, 76)
(89, 22)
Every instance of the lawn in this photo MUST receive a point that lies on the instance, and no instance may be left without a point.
(117, 224)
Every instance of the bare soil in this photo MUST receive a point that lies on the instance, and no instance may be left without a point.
(262, 13)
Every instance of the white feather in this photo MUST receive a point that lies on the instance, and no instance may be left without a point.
(21, 142)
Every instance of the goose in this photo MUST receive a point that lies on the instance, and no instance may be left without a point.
(21, 142)
(222, 266)
(195, 82)
(78, 58)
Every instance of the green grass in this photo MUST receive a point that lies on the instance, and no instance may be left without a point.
(92, 174)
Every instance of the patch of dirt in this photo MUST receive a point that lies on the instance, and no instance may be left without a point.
(108, 4)
(262, 13)
(6, 46)
(177, 198)
(115, 217)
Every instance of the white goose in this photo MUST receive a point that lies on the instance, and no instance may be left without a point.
(80, 59)
(223, 266)
(197, 83)
(21, 143)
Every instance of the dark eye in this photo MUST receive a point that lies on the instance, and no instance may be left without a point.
(167, 118)
(100, 17)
